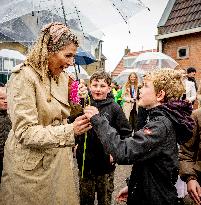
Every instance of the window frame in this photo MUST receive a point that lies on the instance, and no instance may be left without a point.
(187, 52)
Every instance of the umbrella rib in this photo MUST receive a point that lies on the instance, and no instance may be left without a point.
(122, 17)
(77, 12)
(62, 6)
(120, 13)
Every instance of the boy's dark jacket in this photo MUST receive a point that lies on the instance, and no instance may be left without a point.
(153, 151)
(97, 162)
(5, 126)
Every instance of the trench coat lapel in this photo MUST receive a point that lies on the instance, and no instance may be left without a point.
(59, 91)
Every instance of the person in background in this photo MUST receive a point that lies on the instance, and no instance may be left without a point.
(114, 87)
(98, 166)
(190, 91)
(129, 95)
(38, 158)
(152, 150)
(191, 76)
(82, 92)
(5, 124)
(190, 160)
(118, 97)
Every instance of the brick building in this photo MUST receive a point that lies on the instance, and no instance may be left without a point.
(179, 33)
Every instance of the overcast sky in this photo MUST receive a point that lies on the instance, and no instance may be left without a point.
(143, 28)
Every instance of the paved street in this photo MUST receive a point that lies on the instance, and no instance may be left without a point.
(121, 173)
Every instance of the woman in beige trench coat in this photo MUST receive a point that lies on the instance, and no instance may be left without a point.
(38, 162)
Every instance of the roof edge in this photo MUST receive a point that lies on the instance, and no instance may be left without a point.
(166, 13)
(178, 33)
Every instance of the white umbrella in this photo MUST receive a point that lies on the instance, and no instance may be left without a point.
(21, 20)
(123, 76)
(82, 74)
(150, 60)
(11, 54)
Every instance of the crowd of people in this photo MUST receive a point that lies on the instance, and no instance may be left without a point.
(151, 126)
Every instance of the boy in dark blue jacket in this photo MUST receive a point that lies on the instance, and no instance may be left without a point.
(98, 166)
(153, 149)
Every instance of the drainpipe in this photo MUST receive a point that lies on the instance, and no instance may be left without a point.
(160, 46)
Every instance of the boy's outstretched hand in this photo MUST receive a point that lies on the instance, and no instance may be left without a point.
(122, 195)
(90, 111)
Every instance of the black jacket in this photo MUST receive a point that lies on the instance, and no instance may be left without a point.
(97, 162)
(5, 126)
(152, 150)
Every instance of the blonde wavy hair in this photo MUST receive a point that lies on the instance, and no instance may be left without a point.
(168, 80)
(53, 38)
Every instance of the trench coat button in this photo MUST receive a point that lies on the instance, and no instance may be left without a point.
(49, 99)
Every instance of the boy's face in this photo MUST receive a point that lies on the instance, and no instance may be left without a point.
(148, 97)
(192, 74)
(99, 89)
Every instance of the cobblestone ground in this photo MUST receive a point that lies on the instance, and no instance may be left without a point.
(121, 173)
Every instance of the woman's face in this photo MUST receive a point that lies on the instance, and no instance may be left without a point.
(132, 78)
(62, 59)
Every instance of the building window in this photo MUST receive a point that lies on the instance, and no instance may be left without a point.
(182, 52)
(8, 64)
(129, 61)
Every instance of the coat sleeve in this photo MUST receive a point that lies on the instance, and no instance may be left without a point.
(24, 116)
(189, 151)
(126, 150)
(193, 92)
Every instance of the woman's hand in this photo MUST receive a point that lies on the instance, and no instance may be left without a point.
(194, 190)
(122, 195)
(81, 125)
(132, 100)
(90, 111)
(127, 99)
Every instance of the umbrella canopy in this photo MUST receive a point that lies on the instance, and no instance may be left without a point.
(108, 12)
(22, 20)
(86, 18)
(11, 54)
(81, 75)
(150, 60)
(83, 57)
(123, 76)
